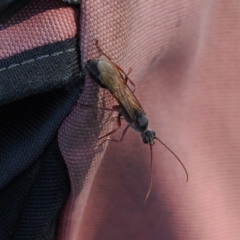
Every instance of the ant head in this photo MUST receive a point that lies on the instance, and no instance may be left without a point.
(148, 136)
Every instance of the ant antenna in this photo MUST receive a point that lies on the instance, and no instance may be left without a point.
(151, 166)
(174, 156)
(151, 171)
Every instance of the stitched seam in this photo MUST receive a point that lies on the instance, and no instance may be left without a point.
(36, 59)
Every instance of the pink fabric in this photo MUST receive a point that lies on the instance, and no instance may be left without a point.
(185, 58)
(40, 23)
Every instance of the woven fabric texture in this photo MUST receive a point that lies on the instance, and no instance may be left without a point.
(42, 21)
(184, 56)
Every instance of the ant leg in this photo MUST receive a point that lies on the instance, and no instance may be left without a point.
(126, 76)
(126, 79)
(114, 109)
(120, 69)
(122, 136)
(114, 118)
(113, 131)
(100, 50)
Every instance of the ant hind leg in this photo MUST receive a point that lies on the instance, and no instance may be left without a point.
(100, 50)
(126, 78)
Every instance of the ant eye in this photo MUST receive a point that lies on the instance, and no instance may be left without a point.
(145, 141)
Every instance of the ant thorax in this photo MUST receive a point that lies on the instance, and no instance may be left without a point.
(140, 124)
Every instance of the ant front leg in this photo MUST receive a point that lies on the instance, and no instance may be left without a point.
(122, 136)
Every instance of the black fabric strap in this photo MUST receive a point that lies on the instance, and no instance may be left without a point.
(35, 99)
